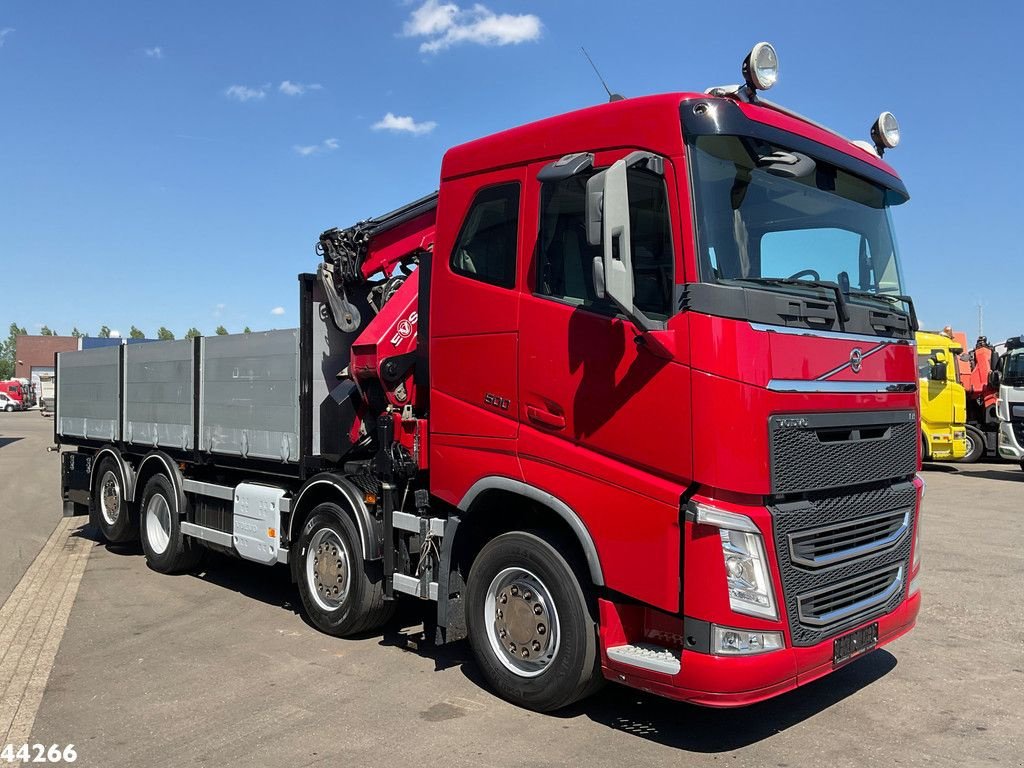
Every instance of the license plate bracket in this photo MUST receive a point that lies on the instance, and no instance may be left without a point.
(855, 643)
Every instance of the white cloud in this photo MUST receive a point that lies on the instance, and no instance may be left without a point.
(277, 311)
(245, 93)
(446, 24)
(403, 124)
(4, 33)
(327, 145)
(115, 334)
(288, 88)
(156, 52)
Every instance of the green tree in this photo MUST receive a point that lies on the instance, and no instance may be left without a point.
(164, 334)
(221, 330)
(7, 351)
(77, 333)
(192, 332)
(45, 331)
(135, 333)
(104, 332)
(247, 329)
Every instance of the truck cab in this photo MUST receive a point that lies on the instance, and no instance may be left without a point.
(14, 391)
(1009, 377)
(943, 398)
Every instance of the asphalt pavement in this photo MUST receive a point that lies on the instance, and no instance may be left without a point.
(218, 668)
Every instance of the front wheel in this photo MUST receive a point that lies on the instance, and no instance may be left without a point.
(9, 408)
(530, 625)
(341, 592)
(975, 446)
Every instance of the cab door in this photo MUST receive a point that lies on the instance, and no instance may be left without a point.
(474, 318)
(604, 423)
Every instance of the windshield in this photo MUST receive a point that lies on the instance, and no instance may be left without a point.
(1013, 368)
(766, 213)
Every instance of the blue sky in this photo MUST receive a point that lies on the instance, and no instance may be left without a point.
(173, 163)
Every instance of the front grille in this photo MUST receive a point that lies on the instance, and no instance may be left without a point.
(840, 553)
(833, 450)
(851, 599)
(831, 544)
(1018, 431)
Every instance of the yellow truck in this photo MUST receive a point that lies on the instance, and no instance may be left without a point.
(943, 399)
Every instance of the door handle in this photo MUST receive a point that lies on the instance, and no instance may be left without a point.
(545, 418)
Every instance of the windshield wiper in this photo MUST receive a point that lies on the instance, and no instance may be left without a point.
(892, 299)
(844, 312)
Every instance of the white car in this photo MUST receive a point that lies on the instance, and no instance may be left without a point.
(8, 403)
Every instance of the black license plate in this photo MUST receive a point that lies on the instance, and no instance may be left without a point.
(854, 644)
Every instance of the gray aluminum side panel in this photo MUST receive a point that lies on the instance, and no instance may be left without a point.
(250, 395)
(158, 394)
(88, 394)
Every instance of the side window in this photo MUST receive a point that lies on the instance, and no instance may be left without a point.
(566, 259)
(486, 247)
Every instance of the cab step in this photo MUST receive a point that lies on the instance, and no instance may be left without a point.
(647, 656)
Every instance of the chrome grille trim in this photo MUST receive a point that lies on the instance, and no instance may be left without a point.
(800, 541)
(863, 590)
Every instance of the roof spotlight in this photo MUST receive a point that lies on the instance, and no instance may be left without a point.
(761, 67)
(885, 132)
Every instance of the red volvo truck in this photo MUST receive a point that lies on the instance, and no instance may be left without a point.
(633, 396)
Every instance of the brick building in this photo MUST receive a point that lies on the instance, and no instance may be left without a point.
(34, 355)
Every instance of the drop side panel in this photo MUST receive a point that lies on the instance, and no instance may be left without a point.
(87, 390)
(249, 404)
(158, 391)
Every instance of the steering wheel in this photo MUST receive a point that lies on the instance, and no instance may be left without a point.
(805, 273)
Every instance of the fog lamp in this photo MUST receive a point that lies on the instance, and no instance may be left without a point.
(761, 67)
(885, 132)
(726, 641)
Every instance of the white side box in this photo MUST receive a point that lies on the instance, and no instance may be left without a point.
(257, 522)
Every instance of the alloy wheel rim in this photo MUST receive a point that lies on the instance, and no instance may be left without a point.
(110, 497)
(328, 569)
(158, 523)
(522, 621)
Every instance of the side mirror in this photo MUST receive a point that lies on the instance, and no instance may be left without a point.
(615, 238)
(994, 379)
(938, 371)
(607, 221)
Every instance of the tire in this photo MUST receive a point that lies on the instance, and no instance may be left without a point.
(342, 594)
(167, 549)
(9, 408)
(526, 573)
(975, 445)
(113, 515)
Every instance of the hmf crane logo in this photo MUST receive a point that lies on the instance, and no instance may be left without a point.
(405, 328)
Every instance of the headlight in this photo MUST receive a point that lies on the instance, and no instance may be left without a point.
(746, 565)
(761, 67)
(726, 641)
(885, 131)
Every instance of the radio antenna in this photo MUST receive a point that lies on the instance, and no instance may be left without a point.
(611, 96)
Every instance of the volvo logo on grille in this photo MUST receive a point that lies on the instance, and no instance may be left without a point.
(856, 359)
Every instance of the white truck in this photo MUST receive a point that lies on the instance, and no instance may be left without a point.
(1008, 375)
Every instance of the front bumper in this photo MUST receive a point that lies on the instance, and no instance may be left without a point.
(1009, 447)
(947, 446)
(735, 681)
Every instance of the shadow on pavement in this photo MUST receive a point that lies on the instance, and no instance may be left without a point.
(1012, 475)
(4, 441)
(702, 729)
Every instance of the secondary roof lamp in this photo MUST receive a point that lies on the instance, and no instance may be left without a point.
(761, 67)
(885, 132)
